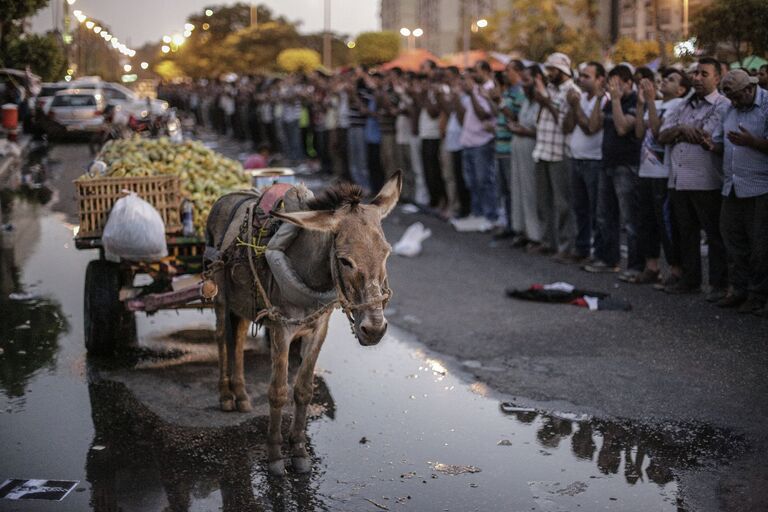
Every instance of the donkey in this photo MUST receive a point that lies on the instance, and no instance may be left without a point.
(341, 246)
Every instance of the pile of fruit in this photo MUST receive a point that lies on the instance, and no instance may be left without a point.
(205, 175)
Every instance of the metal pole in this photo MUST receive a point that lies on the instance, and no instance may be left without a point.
(685, 19)
(327, 36)
(465, 32)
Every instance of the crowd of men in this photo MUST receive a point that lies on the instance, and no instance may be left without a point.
(562, 161)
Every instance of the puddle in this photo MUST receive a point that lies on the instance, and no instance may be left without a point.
(394, 427)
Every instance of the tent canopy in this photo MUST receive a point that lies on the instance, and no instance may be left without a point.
(411, 60)
(457, 59)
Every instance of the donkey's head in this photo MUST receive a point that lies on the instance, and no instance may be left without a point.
(359, 255)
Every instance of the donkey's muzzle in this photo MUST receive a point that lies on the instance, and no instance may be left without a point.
(370, 333)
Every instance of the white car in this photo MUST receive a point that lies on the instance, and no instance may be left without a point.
(78, 110)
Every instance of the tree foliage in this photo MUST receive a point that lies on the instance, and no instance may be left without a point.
(637, 53)
(537, 29)
(739, 23)
(373, 48)
(42, 53)
(12, 15)
(298, 59)
(231, 44)
(168, 70)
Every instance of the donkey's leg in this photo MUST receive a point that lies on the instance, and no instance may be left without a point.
(302, 395)
(278, 396)
(239, 330)
(226, 397)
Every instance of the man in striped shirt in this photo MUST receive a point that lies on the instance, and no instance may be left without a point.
(695, 180)
(744, 216)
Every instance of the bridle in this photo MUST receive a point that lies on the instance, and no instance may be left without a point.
(380, 300)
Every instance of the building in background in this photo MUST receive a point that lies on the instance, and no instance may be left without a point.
(443, 21)
(636, 18)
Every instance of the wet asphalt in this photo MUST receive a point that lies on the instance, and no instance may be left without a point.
(471, 402)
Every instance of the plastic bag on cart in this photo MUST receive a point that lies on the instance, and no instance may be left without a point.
(135, 231)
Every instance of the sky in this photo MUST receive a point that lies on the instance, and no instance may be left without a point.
(136, 22)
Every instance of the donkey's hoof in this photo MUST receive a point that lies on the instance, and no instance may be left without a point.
(277, 468)
(227, 405)
(301, 465)
(244, 405)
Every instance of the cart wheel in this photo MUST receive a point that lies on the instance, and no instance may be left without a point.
(107, 324)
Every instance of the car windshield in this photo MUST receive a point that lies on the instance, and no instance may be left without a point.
(74, 100)
(50, 90)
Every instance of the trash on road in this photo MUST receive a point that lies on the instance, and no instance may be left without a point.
(565, 293)
(454, 469)
(410, 243)
(51, 490)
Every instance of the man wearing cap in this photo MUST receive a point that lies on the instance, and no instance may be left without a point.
(695, 180)
(744, 215)
(552, 173)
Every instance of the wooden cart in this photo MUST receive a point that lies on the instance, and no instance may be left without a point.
(111, 294)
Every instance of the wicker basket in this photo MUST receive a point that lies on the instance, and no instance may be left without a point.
(96, 197)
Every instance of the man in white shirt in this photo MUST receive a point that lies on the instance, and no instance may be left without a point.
(586, 159)
(654, 175)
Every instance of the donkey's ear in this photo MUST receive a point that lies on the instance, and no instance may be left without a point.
(321, 220)
(387, 197)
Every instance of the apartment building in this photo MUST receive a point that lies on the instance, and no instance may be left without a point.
(443, 21)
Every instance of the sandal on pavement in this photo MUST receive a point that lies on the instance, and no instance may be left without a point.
(645, 277)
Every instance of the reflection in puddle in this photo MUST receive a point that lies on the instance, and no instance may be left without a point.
(30, 326)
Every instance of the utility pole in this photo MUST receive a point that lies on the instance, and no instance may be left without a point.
(254, 16)
(327, 61)
(465, 32)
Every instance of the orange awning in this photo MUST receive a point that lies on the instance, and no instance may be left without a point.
(411, 60)
(457, 59)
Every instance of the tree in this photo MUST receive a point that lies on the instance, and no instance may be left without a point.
(226, 42)
(256, 48)
(739, 23)
(298, 59)
(168, 70)
(538, 29)
(12, 14)
(373, 48)
(43, 54)
(637, 53)
(341, 55)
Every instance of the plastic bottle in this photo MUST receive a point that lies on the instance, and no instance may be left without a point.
(187, 218)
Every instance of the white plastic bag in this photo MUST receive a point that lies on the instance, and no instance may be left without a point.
(135, 231)
(410, 243)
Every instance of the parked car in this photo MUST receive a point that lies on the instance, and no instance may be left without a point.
(78, 110)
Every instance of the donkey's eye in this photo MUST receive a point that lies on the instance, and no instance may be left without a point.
(347, 263)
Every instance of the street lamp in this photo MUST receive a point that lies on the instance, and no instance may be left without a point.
(475, 26)
(411, 35)
(144, 65)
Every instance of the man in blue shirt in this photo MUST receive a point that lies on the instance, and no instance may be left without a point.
(744, 215)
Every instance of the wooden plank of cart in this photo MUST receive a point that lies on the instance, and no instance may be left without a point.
(112, 296)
